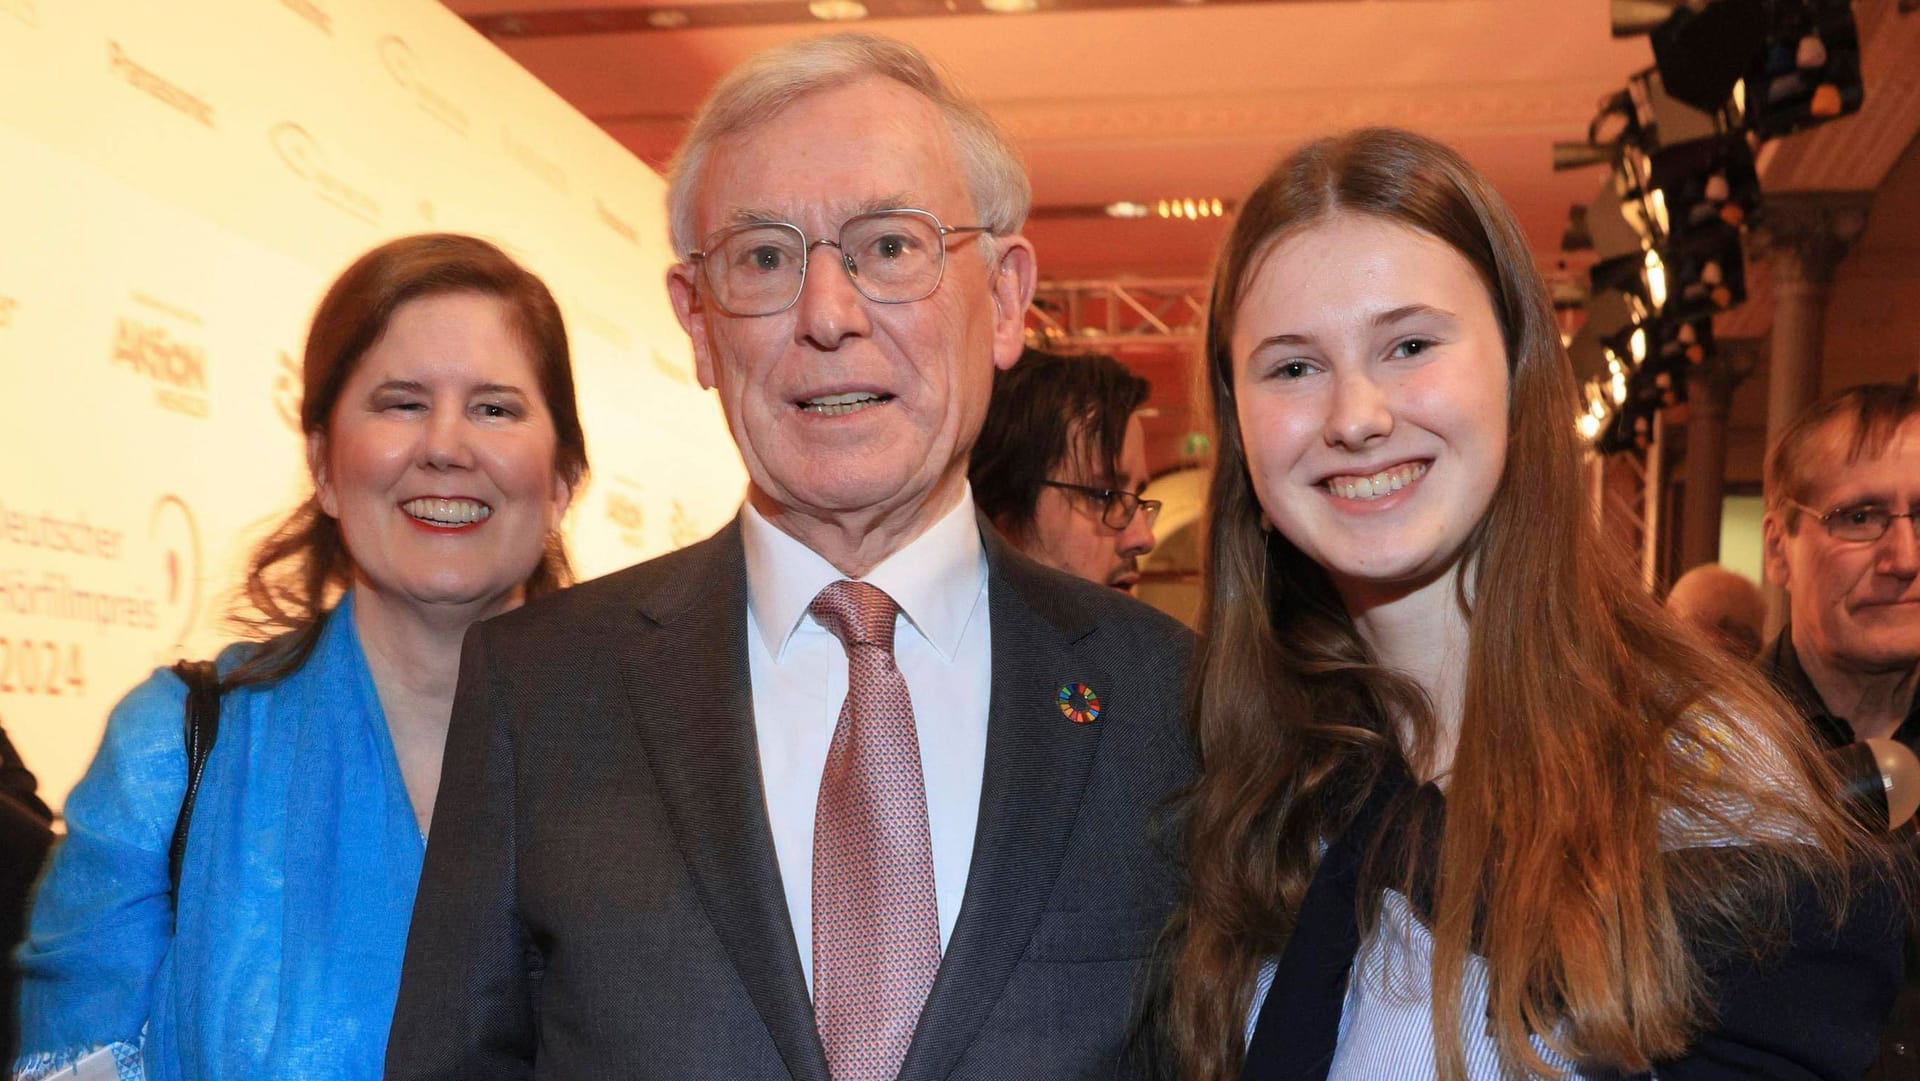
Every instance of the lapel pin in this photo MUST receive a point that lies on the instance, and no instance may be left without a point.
(1079, 703)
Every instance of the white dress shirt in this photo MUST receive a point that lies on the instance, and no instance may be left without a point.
(799, 670)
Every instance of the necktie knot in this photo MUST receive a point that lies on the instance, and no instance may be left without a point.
(856, 613)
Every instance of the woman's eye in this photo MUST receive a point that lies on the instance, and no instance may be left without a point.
(494, 410)
(1294, 369)
(403, 405)
(1412, 347)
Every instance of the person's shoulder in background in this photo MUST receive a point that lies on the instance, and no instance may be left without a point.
(17, 781)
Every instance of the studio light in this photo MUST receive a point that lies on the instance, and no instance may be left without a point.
(1579, 155)
(1809, 72)
(1706, 272)
(1576, 237)
(1598, 340)
(1668, 225)
(1777, 65)
(1704, 182)
(1631, 18)
(1702, 50)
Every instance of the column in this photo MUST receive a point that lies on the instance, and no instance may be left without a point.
(1710, 388)
(1804, 236)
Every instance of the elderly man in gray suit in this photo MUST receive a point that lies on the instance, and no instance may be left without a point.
(850, 790)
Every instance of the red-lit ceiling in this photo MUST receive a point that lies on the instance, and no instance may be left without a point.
(1178, 100)
(1199, 98)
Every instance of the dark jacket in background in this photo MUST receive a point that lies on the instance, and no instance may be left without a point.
(25, 835)
(1899, 1058)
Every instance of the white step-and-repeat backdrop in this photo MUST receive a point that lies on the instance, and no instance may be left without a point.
(179, 182)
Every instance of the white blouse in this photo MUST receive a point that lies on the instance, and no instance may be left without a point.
(1386, 1020)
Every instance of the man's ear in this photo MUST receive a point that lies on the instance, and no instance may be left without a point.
(323, 492)
(1773, 549)
(1013, 284)
(691, 310)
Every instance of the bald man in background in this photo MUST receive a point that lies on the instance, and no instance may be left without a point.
(1724, 605)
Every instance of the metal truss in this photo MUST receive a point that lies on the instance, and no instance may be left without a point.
(1097, 314)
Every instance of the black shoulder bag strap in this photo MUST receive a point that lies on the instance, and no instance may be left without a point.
(202, 726)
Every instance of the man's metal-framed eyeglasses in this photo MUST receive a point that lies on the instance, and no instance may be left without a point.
(891, 256)
(1860, 521)
(1117, 507)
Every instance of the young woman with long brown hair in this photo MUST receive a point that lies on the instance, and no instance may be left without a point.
(1471, 806)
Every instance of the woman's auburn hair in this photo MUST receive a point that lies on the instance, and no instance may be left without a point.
(297, 573)
(1589, 715)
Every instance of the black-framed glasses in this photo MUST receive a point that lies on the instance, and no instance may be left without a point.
(892, 257)
(1117, 507)
(1860, 521)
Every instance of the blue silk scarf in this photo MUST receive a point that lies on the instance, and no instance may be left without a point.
(294, 900)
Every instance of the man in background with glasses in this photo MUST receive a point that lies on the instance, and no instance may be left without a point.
(1842, 533)
(851, 790)
(1062, 460)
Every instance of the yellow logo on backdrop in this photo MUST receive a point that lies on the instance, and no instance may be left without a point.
(530, 160)
(22, 10)
(627, 516)
(8, 305)
(661, 364)
(171, 528)
(304, 156)
(177, 368)
(167, 93)
(311, 12)
(604, 328)
(288, 388)
(681, 528)
(400, 62)
(622, 228)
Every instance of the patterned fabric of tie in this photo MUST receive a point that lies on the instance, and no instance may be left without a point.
(876, 925)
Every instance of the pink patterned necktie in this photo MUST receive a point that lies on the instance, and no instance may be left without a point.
(876, 924)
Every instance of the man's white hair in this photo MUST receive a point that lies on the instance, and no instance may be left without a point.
(759, 89)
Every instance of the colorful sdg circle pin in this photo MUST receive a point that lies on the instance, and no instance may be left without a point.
(1079, 703)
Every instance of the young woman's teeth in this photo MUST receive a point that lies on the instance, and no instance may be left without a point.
(448, 511)
(834, 405)
(1385, 482)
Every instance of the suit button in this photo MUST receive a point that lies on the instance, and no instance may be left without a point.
(1900, 1048)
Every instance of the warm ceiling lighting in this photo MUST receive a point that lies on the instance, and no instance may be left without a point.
(667, 19)
(1128, 210)
(837, 11)
(1190, 209)
(1009, 7)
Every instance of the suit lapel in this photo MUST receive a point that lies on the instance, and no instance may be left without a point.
(686, 677)
(1036, 772)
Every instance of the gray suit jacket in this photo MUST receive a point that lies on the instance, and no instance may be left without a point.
(601, 898)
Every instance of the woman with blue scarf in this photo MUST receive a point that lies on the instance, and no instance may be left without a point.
(444, 445)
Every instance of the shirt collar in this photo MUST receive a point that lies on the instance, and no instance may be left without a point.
(935, 578)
